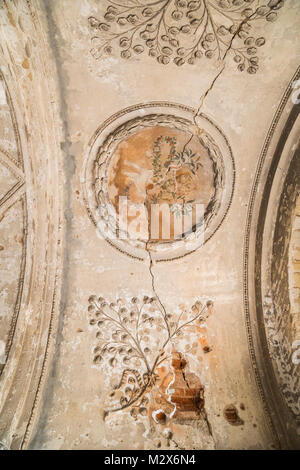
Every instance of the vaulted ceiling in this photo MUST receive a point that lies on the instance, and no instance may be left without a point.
(112, 336)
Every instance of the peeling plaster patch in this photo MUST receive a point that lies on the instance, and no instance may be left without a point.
(54, 444)
(2, 94)
(2, 352)
(156, 413)
(85, 8)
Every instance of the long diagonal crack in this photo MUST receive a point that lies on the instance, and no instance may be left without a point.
(199, 131)
(210, 88)
(209, 427)
(197, 113)
(151, 264)
(203, 97)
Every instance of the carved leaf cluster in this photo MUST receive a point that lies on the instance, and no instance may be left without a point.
(183, 31)
(125, 341)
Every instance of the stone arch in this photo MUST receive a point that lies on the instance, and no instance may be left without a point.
(31, 175)
(294, 273)
(269, 315)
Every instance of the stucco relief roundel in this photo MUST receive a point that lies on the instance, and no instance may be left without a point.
(156, 182)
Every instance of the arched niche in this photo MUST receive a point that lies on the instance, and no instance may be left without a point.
(294, 280)
(269, 313)
(30, 98)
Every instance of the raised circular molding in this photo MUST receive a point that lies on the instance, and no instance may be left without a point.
(154, 153)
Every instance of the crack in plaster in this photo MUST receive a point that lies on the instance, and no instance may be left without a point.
(209, 427)
(210, 88)
(177, 445)
(151, 264)
(199, 131)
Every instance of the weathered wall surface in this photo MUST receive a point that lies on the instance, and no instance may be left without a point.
(150, 352)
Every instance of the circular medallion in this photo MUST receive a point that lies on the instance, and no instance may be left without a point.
(155, 182)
